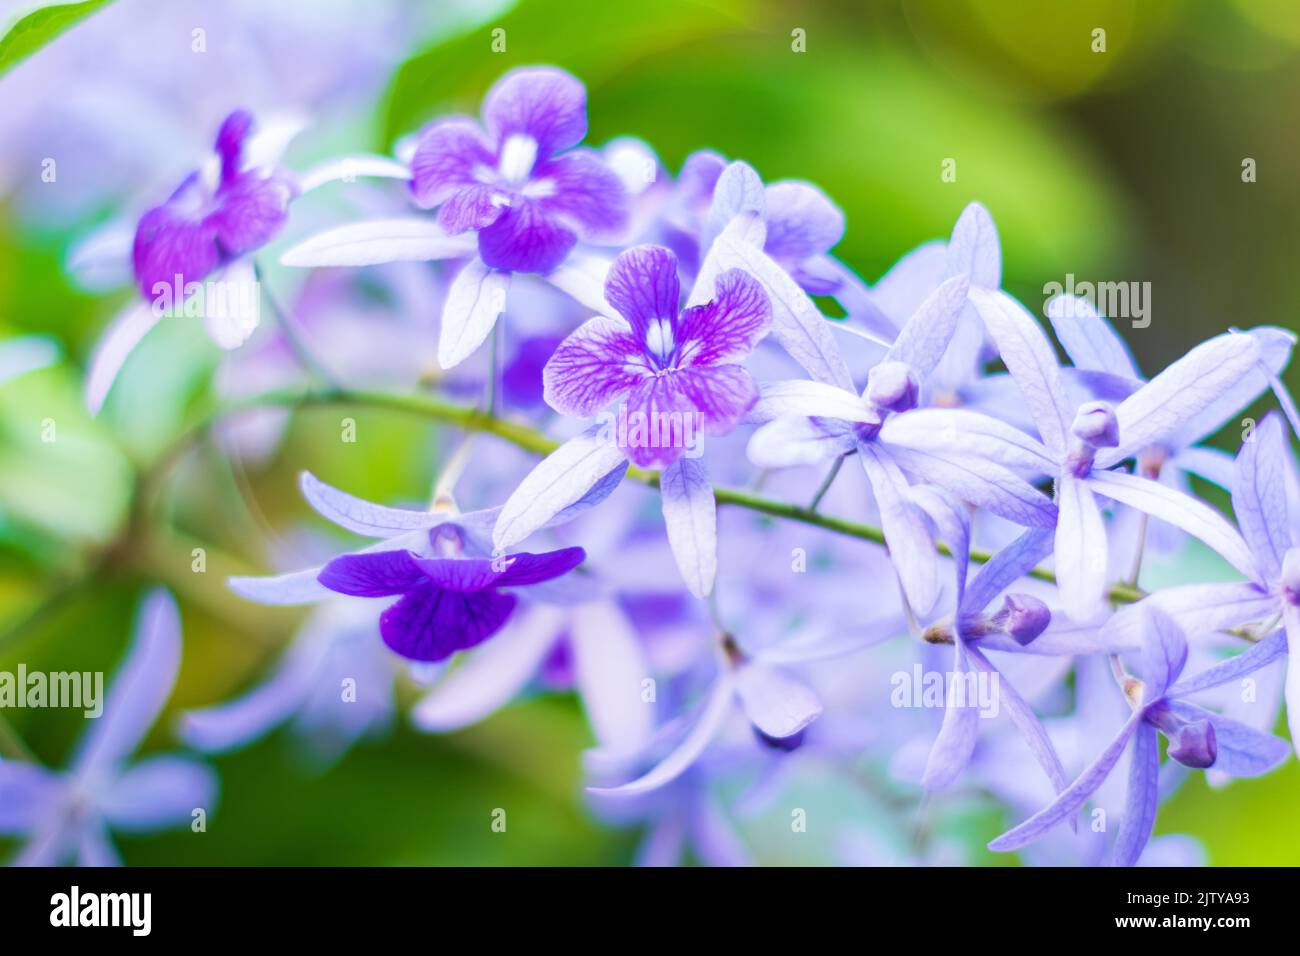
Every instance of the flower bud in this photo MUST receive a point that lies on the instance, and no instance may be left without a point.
(1194, 745)
(893, 386)
(1096, 424)
(1023, 617)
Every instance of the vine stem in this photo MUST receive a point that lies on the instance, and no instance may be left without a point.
(529, 439)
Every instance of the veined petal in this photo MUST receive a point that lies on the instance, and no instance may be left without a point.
(1081, 554)
(473, 208)
(583, 191)
(1199, 609)
(1162, 406)
(802, 222)
(952, 748)
(1031, 361)
(922, 340)
(363, 517)
(172, 247)
(1243, 751)
(982, 483)
(1089, 340)
(526, 238)
(559, 480)
(1005, 568)
(690, 515)
(251, 211)
(1196, 518)
(541, 102)
(967, 433)
(610, 669)
(376, 241)
(642, 285)
(429, 623)
(1073, 797)
(476, 298)
(1259, 493)
(737, 192)
(139, 689)
(974, 249)
(813, 399)
(908, 539)
(450, 156)
(725, 329)
(598, 363)
(1142, 798)
(680, 405)
(797, 440)
(373, 573)
(1260, 654)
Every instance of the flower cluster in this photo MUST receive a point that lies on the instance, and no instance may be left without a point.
(991, 524)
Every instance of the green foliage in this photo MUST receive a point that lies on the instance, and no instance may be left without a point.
(41, 26)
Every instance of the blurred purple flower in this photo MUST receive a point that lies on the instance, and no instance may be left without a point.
(68, 814)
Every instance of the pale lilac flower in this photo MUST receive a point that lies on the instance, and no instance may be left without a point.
(67, 815)
(1197, 738)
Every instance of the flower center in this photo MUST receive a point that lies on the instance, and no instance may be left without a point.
(518, 154)
(659, 340)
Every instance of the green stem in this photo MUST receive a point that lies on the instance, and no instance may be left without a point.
(529, 439)
(826, 483)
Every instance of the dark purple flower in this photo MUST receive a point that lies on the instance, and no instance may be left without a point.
(675, 370)
(511, 179)
(211, 219)
(448, 604)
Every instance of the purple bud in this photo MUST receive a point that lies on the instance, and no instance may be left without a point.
(1023, 617)
(230, 141)
(1194, 745)
(1096, 424)
(788, 744)
(893, 386)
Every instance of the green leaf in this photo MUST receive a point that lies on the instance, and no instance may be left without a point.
(28, 34)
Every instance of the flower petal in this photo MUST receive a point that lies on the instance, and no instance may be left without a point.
(1260, 654)
(811, 399)
(476, 298)
(974, 250)
(171, 242)
(251, 211)
(544, 103)
(1243, 751)
(363, 517)
(582, 192)
(1142, 797)
(296, 587)
(678, 406)
(26, 794)
(376, 241)
(726, 328)
(779, 704)
(690, 515)
(952, 748)
(1089, 340)
(374, 573)
(139, 689)
(232, 307)
(598, 363)
(797, 440)
(1081, 553)
(347, 168)
(123, 334)
(430, 623)
(449, 157)
(157, 793)
(906, 535)
(1005, 568)
(526, 238)
(802, 222)
(1259, 493)
(738, 191)
(610, 670)
(982, 483)
(642, 285)
(473, 208)
(968, 434)
(922, 340)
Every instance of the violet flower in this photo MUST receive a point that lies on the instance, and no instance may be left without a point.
(675, 371)
(1197, 738)
(68, 814)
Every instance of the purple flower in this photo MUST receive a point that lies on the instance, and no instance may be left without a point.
(210, 221)
(516, 180)
(674, 368)
(447, 604)
(1197, 738)
(67, 815)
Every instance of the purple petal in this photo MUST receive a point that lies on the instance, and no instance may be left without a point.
(375, 241)
(544, 103)
(230, 141)
(1089, 340)
(524, 568)
(802, 222)
(1081, 554)
(296, 587)
(811, 399)
(140, 687)
(1073, 797)
(430, 623)
(974, 250)
(1183, 511)
(1259, 654)
(1164, 650)
(727, 328)
(472, 208)
(251, 210)
(796, 440)
(1142, 797)
(981, 483)
(1259, 493)
(598, 363)
(1242, 751)
(968, 434)
(643, 286)
(1199, 609)
(26, 794)
(922, 340)
(493, 674)
(172, 242)
(717, 708)
(690, 516)
(526, 238)
(1005, 568)
(680, 405)
(581, 191)
(1291, 615)
(1164, 405)
(157, 793)
(373, 574)
(449, 157)
(610, 670)
(714, 839)
(906, 535)
(1030, 359)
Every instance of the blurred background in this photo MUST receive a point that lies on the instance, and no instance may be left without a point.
(1122, 165)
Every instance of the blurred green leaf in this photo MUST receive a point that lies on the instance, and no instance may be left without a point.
(33, 31)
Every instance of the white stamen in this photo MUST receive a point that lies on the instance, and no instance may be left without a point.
(518, 153)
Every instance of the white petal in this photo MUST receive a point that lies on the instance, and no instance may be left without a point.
(118, 341)
(1080, 548)
(775, 701)
(232, 304)
(610, 670)
(690, 515)
(379, 240)
(347, 168)
(814, 399)
(476, 298)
